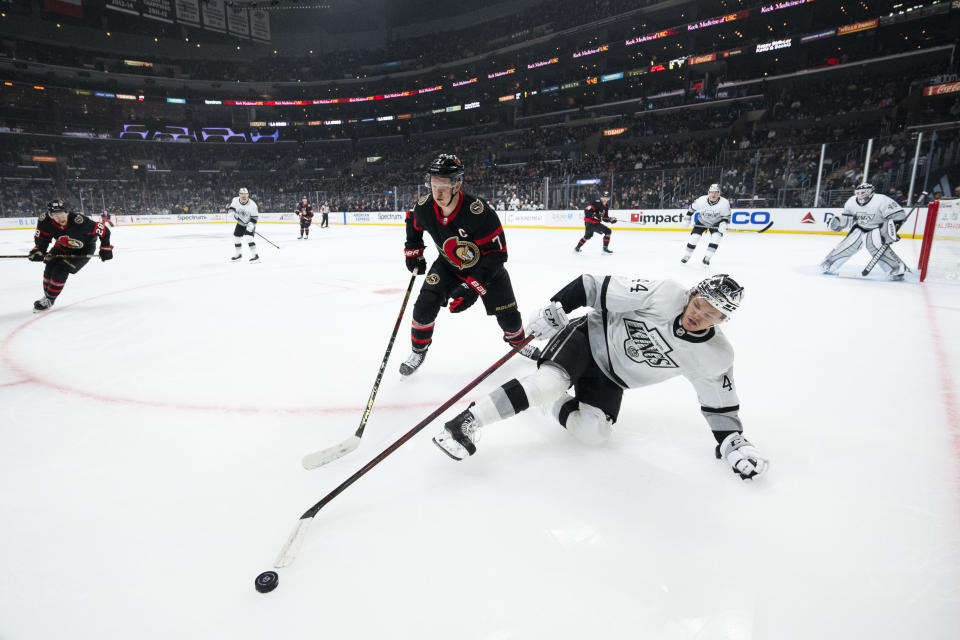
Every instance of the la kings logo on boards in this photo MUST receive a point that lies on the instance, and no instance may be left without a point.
(647, 346)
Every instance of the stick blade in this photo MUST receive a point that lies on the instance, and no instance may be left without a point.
(290, 549)
(324, 456)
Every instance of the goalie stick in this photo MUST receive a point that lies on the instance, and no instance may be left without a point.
(289, 551)
(878, 254)
(322, 457)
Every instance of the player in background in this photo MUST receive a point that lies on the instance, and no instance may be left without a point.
(872, 217)
(473, 249)
(594, 215)
(246, 212)
(305, 211)
(637, 333)
(106, 219)
(713, 215)
(74, 238)
(325, 215)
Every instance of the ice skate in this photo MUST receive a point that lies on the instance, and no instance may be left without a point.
(606, 252)
(236, 257)
(413, 362)
(684, 259)
(706, 260)
(42, 304)
(255, 258)
(459, 436)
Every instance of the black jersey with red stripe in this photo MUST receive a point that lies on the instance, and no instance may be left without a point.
(305, 211)
(470, 239)
(77, 237)
(596, 211)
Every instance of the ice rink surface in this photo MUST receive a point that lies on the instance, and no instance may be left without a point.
(152, 426)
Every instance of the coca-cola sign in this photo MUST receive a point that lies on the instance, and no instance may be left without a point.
(941, 89)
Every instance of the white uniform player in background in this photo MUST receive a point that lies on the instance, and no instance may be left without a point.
(714, 216)
(637, 333)
(246, 213)
(871, 217)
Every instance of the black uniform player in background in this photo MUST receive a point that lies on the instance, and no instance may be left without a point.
(594, 215)
(74, 237)
(473, 250)
(305, 211)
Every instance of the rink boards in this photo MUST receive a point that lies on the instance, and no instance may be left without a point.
(795, 221)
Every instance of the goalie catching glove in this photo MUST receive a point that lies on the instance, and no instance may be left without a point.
(548, 321)
(742, 456)
(837, 223)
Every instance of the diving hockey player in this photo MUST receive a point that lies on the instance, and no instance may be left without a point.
(713, 215)
(594, 215)
(871, 217)
(637, 333)
(74, 238)
(246, 213)
(305, 211)
(473, 250)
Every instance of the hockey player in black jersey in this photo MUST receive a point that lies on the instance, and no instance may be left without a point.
(305, 211)
(594, 215)
(74, 237)
(473, 249)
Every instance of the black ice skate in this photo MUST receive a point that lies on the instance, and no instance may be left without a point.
(42, 304)
(236, 257)
(413, 362)
(706, 260)
(684, 259)
(459, 436)
(606, 251)
(255, 258)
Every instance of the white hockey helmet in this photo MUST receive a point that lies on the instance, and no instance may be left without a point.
(243, 194)
(721, 292)
(864, 192)
(714, 189)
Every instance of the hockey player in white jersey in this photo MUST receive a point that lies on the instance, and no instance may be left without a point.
(246, 213)
(714, 216)
(871, 217)
(637, 333)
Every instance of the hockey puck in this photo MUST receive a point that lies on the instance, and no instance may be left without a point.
(267, 581)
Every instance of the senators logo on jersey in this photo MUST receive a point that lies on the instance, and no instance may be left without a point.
(460, 253)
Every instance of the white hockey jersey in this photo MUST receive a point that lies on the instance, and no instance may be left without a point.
(711, 215)
(637, 340)
(877, 210)
(244, 213)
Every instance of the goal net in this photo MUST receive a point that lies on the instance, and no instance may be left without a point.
(940, 251)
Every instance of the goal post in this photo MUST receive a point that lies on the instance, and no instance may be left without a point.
(940, 251)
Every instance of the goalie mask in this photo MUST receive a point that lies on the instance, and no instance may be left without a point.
(863, 192)
(713, 194)
(721, 292)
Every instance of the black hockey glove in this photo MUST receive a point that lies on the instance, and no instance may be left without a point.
(106, 253)
(465, 294)
(415, 261)
(35, 255)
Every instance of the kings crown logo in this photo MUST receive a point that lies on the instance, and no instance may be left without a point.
(646, 346)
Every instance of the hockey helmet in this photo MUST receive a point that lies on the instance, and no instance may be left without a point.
(445, 165)
(714, 188)
(864, 192)
(604, 194)
(56, 206)
(243, 194)
(722, 292)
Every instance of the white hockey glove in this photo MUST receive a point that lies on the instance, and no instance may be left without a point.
(742, 456)
(837, 223)
(548, 321)
(888, 232)
(251, 226)
(722, 227)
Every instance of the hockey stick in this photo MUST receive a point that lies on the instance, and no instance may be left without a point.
(322, 457)
(878, 254)
(768, 225)
(265, 238)
(50, 256)
(289, 551)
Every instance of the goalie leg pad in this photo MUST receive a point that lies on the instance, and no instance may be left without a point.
(843, 251)
(890, 262)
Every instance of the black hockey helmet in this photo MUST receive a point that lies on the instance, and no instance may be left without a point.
(604, 194)
(722, 292)
(56, 205)
(446, 165)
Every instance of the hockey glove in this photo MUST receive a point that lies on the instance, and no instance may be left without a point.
(742, 456)
(612, 221)
(722, 228)
(836, 223)
(465, 294)
(416, 263)
(548, 321)
(106, 253)
(35, 255)
(251, 226)
(888, 232)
